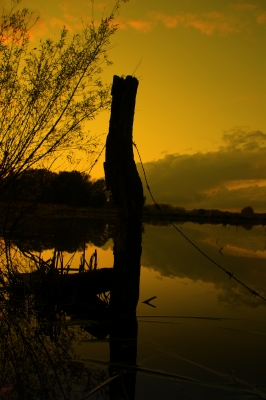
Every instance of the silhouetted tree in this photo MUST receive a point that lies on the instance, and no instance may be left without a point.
(48, 93)
(201, 211)
(247, 211)
(98, 197)
(68, 187)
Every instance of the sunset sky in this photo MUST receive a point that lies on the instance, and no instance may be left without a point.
(200, 120)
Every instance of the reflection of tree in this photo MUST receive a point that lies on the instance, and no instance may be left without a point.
(37, 339)
(63, 234)
(35, 367)
(38, 335)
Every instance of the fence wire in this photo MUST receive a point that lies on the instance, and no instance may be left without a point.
(230, 274)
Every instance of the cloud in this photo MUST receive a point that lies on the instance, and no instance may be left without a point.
(141, 25)
(207, 23)
(78, 14)
(261, 18)
(207, 180)
(57, 22)
(170, 21)
(39, 30)
(235, 199)
(244, 7)
(239, 139)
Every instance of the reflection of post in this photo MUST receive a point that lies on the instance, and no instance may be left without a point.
(123, 351)
(124, 182)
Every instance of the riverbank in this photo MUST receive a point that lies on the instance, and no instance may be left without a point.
(26, 213)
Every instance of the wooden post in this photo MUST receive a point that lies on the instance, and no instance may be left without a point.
(123, 180)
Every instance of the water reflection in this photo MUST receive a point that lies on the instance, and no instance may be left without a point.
(123, 354)
(57, 339)
(243, 253)
(38, 360)
(238, 250)
(65, 234)
(44, 313)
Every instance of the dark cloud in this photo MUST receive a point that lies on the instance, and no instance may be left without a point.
(236, 199)
(247, 141)
(206, 180)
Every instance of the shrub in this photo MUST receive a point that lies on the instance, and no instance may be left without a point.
(247, 211)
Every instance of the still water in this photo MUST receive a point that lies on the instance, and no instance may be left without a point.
(202, 336)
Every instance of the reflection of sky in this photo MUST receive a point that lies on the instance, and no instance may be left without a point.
(104, 255)
(204, 333)
(166, 251)
(172, 259)
(217, 324)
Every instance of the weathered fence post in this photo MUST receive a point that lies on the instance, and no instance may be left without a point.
(123, 180)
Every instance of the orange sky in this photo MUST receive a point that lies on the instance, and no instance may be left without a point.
(201, 69)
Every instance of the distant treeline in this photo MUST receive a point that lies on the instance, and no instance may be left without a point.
(70, 188)
(168, 212)
(76, 189)
(169, 209)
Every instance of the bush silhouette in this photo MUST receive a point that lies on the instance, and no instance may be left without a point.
(247, 211)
